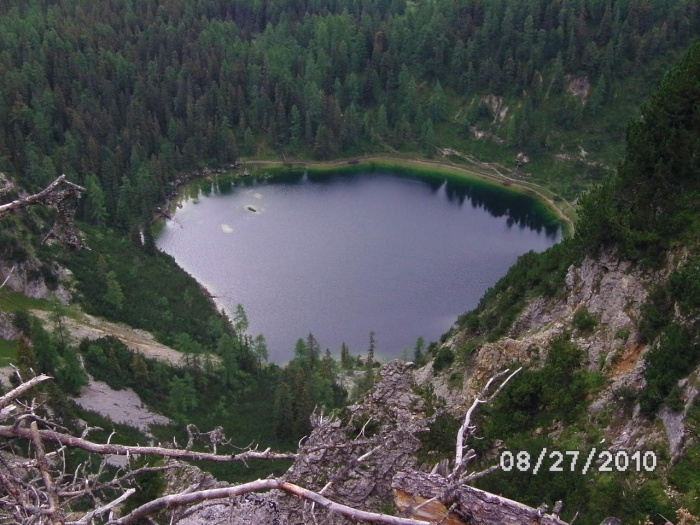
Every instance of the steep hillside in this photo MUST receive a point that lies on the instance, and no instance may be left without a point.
(607, 325)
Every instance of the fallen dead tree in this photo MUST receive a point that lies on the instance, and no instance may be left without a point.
(39, 489)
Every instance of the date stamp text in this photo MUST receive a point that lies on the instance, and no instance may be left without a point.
(575, 461)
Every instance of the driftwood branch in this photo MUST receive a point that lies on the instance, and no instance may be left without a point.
(9, 274)
(22, 389)
(59, 193)
(476, 507)
(54, 510)
(85, 520)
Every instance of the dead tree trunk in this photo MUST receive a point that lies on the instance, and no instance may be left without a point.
(461, 504)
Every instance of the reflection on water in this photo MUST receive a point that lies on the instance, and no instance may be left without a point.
(340, 255)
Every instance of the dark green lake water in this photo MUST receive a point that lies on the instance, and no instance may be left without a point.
(339, 255)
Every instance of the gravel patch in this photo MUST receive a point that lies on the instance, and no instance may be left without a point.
(121, 406)
(91, 327)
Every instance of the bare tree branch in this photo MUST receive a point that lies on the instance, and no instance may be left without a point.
(6, 185)
(87, 484)
(10, 432)
(22, 389)
(482, 398)
(478, 475)
(45, 196)
(260, 485)
(54, 510)
(9, 274)
(344, 509)
(105, 508)
(478, 506)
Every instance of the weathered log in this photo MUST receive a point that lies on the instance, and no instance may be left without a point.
(460, 504)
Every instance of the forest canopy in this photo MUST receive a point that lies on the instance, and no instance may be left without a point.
(122, 95)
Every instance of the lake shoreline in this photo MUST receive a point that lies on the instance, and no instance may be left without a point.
(562, 210)
(410, 201)
(484, 172)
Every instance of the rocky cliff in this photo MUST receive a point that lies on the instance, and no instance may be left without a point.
(612, 294)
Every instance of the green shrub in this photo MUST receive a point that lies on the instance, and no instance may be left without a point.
(532, 275)
(657, 313)
(438, 442)
(622, 333)
(537, 397)
(584, 321)
(685, 286)
(674, 358)
(443, 359)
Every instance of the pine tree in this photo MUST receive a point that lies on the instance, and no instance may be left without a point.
(381, 126)
(70, 375)
(437, 103)
(248, 142)
(284, 417)
(419, 352)
(240, 321)
(427, 136)
(113, 293)
(26, 359)
(95, 201)
(296, 127)
(259, 348)
(227, 350)
(183, 397)
(346, 361)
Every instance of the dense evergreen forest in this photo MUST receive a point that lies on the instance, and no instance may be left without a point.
(122, 95)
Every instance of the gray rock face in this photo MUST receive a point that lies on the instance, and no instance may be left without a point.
(613, 292)
(675, 422)
(452, 396)
(7, 329)
(610, 289)
(383, 427)
(26, 279)
(674, 426)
